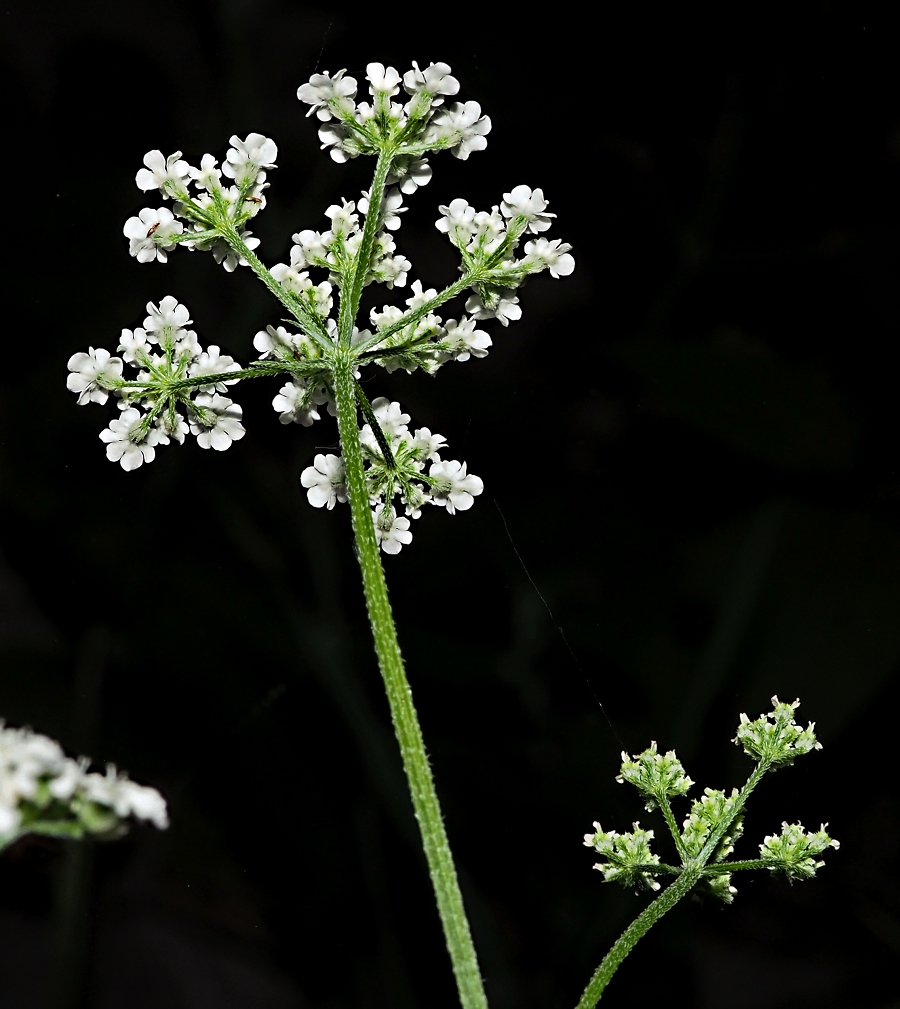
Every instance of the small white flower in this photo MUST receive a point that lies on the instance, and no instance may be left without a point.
(530, 204)
(213, 362)
(134, 346)
(151, 233)
(466, 340)
(435, 79)
(322, 89)
(391, 208)
(324, 481)
(391, 417)
(122, 448)
(464, 125)
(289, 404)
(391, 531)
(428, 445)
(165, 324)
(88, 371)
(207, 176)
(246, 157)
(219, 424)
(338, 141)
(410, 173)
(553, 256)
(419, 297)
(275, 343)
(344, 222)
(224, 254)
(167, 174)
(506, 308)
(311, 245)
(458, 222)
(455, 489)
(382, 81)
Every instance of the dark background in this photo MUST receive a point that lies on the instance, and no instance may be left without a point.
(693, 442)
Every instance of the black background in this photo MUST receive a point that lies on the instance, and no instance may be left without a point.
(691, 444)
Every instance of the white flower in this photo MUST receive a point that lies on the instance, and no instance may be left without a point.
(458, 222)
(344, 221)
(219, 424)
(275, 343)
(390, 417)
(67, 781)
(391, 208)
(165, 324)
(419, 297)
(391, 271)
(410, 173)
(207, 176)
(464, 125)
(506, 308)
(120, 446)
(150, 234)
(134, 346)
(213, 362)
(161, 170)
(488, 232)
(126, 798)
(322, 89)
(289, 404)
(88, 371)
(324, 481)
(246, 157)
(428, 445)
(382, 81)
(386, 317)
(465, 340)
(391, 530)
(340, 140)
(435, 79)
(224, 254)
(523, 202)
(311, 244)
(454, 488)
(553, 256)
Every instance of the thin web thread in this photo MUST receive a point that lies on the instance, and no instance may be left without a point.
(322, 50)
(555, 623)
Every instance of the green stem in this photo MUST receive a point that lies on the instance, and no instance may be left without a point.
(313, 327)
(633, 934)
(352, 290)
(403, 712)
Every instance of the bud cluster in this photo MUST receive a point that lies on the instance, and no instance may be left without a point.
(715, 821)
(629, 860)
(775, 739)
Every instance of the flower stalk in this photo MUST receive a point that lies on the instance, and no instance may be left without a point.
(403, 713)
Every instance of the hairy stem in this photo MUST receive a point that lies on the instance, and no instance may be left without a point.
(403, 712)
(633, 934)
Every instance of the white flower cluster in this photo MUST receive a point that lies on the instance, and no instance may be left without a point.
(350, 128)
(629, 860)
(164, 353)
(429, 341)
(491, 238)
(44, 791)
(396, 461)
(775, 739)
(153, 233)
(336, 249)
